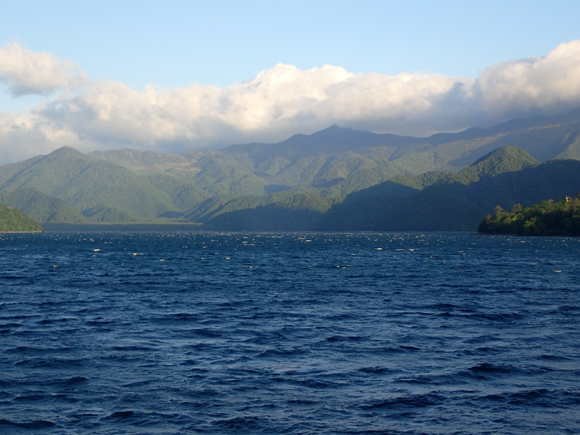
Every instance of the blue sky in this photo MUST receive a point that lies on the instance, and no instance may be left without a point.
(175, 44)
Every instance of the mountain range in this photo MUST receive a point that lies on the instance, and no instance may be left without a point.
(335, 179)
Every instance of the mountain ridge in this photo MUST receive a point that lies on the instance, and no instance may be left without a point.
(337, 166)
(441, 201)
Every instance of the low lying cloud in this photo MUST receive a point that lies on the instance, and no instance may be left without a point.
(277, 103)
(26, 72)
(545, 84)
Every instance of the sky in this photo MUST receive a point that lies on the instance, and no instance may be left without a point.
(173, 76)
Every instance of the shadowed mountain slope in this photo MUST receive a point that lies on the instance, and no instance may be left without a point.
(442, 201)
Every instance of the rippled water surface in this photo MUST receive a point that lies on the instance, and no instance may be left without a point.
(166, 333)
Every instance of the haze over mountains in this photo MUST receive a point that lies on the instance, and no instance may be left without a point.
(337, 178)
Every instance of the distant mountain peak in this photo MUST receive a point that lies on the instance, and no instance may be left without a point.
(335, 128)
(507, 152)
(505, 159)
(66, 150)
(331, 131)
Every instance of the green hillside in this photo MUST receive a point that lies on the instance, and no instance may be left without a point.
(184, 194)
(13, 220)
(502, 160)
(339, 161)
(543, 138)
(284, 211)
(41, 207)
(454, 202)
(86, 183)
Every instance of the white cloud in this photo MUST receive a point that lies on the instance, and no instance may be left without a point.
(27, 135)
(277, 103)
(547, 84)
(26, 72)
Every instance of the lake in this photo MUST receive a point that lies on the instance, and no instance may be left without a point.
(288, 333)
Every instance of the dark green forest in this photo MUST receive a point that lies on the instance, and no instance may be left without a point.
(548, 218)
(13, 220)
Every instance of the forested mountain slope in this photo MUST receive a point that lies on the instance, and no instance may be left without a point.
(339, 161)
(13, 220)
(441, 201)
(319, 170)
(41, 207)
(87, 184)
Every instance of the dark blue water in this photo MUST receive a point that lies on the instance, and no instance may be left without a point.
(166, 333)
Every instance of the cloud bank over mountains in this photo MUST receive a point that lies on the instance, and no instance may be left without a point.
(99, 114)
(26, 72)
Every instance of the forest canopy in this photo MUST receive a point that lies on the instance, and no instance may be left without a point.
(547, 218)
(13, 220)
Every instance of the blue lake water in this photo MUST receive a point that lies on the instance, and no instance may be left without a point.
(296, 333)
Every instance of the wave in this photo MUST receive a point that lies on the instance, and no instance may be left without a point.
(36, 424)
